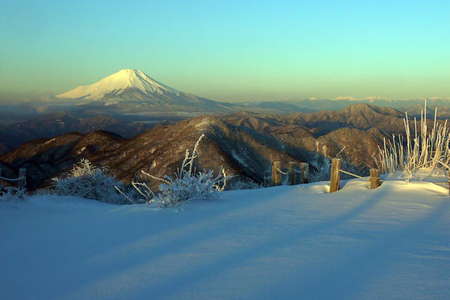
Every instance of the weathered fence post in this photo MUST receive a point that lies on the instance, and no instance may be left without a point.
(335, 178)
(22, 178)
(276, 175)
(304, 172)
(374, 179)
(449, 181)
(325, 150)
(292, 173)
(267, 178)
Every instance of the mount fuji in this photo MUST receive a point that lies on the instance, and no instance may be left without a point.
(134, 91)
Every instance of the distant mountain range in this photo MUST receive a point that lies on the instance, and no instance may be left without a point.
(54, 124)
(129, 102)
(134, 94)
(244, 143)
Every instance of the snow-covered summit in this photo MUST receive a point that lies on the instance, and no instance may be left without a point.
(133, 91)
(117, 84)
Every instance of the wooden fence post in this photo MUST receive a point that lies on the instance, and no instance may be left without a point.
(335, 178)
(276, 175)
(304, 171)
(23, 178)
(267, 178)
(374, 179)
(292, 173)
(325, 150)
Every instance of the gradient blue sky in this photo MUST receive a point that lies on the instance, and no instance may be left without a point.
(231, 50)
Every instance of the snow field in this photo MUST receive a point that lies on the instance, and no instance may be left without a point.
(287, 242)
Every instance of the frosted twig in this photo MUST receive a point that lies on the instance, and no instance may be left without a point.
(155, 177)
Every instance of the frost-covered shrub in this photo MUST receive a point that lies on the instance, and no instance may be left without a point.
(201, 186)
(421, 147)
(88, 181)
(10, 193)
(186, 184)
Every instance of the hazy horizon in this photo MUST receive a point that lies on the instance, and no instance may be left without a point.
(231, 51)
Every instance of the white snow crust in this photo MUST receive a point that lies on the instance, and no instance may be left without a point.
(288, 242)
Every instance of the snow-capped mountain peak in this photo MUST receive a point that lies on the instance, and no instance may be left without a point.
(133, 91)
(118, 83)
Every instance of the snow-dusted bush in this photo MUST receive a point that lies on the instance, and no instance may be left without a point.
(200, 186)
(420, 148)
(10, 193)
(186, 184)
(88, 181)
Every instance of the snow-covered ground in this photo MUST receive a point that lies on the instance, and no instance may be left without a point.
(289, 242)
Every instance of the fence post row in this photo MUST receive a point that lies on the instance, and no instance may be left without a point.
(297, 173)
(335, 179)
(276, 176)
